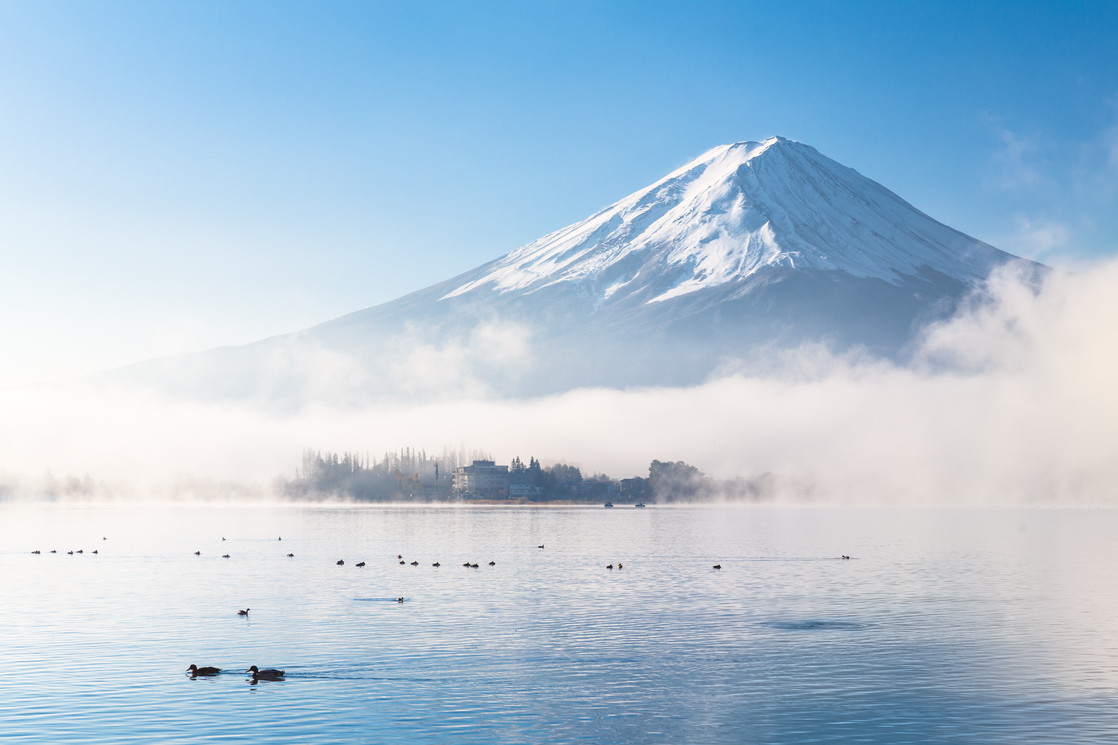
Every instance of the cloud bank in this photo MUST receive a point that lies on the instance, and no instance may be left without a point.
(1013, 400)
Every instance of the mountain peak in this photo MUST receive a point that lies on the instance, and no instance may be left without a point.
(751, 247)
(735, 211)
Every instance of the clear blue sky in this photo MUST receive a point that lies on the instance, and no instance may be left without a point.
(180, 175)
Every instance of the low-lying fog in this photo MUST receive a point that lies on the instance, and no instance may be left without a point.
(1015, 399)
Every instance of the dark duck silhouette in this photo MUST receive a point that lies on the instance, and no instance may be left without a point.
(243, 612)
(195, 671)
(268, 673)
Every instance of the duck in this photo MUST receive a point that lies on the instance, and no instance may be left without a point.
(194, 670)
(36, 552)
(845, 556)
(436, 564)
(399, 600)
(268, 673)
(402, 562)
(243, 612)
(415, 563)
(717, 566)
(492, 563)
(225, 556)
(291, 556)
(360, 564)
(619, 565)
(609, 566)
(340, 562)
(197, 553)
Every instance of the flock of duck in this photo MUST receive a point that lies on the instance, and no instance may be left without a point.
(258, 674)
(268, 673)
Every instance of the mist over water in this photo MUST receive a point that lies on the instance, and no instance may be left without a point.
(1012, 400)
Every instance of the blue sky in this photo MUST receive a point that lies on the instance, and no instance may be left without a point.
(181, 175)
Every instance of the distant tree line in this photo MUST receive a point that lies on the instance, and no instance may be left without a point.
(404, 475)
(410, 475)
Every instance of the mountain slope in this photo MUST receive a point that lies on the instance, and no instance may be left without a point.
(737, 210)
(749, 248)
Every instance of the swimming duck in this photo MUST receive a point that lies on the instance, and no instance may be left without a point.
(225, 556)
(340, 562)
(243, 612)
(492, 563)
(36, 552)
(360, 564)
(415, 563)
(291, 556)
(610, 566)
(197, 553)
(399, 600)
(268, 673)
(717, 566)
(194, 670)
(436, 564)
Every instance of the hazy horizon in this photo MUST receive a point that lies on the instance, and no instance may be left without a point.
(1010, 401)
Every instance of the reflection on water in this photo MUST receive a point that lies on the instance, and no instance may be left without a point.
(953, 626)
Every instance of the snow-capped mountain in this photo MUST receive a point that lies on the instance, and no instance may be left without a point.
(748, 249)
(733, 212)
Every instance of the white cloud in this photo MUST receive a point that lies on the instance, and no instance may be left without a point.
(1039, 239)
(1015, 165)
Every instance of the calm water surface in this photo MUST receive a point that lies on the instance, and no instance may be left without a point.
(946, 626)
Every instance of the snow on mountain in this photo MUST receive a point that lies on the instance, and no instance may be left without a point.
(749, 249)
(736, 210)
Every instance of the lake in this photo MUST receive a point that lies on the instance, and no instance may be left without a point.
(944, 626)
